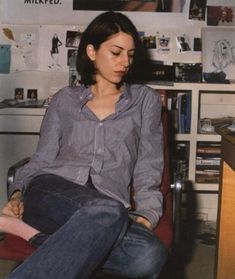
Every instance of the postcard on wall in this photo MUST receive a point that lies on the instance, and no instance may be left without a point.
(148, 39)
(183, 43)
(24, 46)
(53, 49)
(73, 38)
(221, 16)
(163, 44)
(5, 59)
(197, 9)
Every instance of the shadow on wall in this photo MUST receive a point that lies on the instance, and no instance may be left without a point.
(189, 228)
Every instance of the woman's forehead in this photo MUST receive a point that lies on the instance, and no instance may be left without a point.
(121, 39)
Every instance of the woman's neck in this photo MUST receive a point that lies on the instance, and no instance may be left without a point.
(104, 89)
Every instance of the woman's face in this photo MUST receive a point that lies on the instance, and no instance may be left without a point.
(113, 58)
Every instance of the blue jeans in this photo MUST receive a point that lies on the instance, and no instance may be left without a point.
(87, 231)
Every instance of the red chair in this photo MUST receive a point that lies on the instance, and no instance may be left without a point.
(15, 248)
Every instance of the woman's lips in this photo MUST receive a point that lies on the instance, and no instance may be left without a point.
(120, 73)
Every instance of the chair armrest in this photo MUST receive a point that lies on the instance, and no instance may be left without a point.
(177, 188)
(13, 169)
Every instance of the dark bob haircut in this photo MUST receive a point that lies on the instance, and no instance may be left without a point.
(99, 31)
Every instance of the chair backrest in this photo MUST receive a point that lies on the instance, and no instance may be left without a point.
(14, 248)
(164, 229)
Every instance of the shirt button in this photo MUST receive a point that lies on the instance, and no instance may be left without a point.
(101, 124)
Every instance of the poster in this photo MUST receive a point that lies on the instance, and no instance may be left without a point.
(131, 5)
(71, 12)
(36, 11)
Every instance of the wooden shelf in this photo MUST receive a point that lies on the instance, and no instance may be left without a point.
(206, 187)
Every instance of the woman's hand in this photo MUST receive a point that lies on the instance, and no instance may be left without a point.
(14, 207)
(144, 221)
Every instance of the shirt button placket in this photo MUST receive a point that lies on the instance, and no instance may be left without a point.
(98, 158)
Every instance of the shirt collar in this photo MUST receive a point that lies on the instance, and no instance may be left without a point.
(126, 92)
(86, 94)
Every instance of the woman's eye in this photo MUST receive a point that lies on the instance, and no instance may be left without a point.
(115, 53)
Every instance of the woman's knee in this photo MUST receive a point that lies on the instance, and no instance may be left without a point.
(42, 204)
(47, 183)
(105, 208)
(154, 259)
(151, 259)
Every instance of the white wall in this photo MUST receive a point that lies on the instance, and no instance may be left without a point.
(170, 23)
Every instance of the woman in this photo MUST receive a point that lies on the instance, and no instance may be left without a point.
(96, 139)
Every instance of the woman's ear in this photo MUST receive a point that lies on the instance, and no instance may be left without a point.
(90, 50)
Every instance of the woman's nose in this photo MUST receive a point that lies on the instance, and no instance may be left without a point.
(125, 61)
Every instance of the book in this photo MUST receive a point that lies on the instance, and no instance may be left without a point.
(206, 149)
(188, 112)
(207, 179)
(207, 176)
(215, 161)
(207, 167)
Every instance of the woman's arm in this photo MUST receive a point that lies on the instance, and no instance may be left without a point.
(14, 207)
(148, 169)
(47, 148)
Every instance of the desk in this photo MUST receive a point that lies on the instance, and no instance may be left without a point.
(21, 120)
(225, 258)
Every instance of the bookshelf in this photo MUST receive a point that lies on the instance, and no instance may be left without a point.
(214, 107)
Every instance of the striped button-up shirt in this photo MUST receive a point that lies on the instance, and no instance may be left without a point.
(122, 149)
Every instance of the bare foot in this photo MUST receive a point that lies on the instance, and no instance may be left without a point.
(17, 227)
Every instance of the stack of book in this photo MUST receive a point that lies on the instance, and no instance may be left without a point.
(208, 162)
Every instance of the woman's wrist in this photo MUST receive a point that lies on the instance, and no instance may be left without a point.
(144, 221)
(16, 195)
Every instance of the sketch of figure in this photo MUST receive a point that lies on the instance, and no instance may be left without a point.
(55, 44)
(222, 55)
